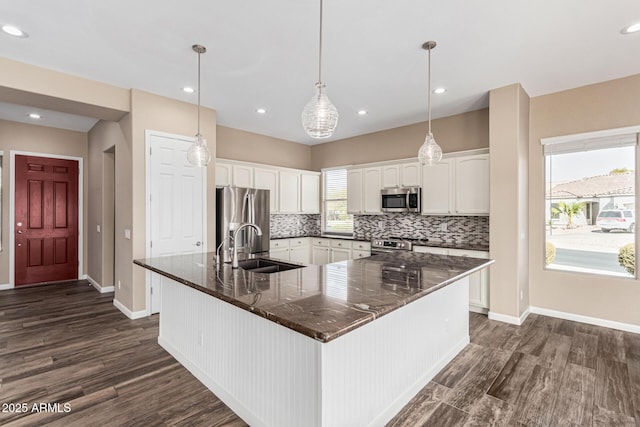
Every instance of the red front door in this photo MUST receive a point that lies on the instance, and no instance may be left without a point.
(46, 215)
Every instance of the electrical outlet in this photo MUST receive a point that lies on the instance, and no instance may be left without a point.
(443, 226)
(119, 285)
(380, 225)
(98, 228)
(127, 233)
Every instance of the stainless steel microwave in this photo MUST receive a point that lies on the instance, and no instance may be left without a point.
(401, 199)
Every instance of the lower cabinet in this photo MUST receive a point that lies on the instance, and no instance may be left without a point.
(318, 250)
(478, 282)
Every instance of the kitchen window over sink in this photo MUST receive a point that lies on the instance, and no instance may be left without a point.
(335, 218)
(590, 202)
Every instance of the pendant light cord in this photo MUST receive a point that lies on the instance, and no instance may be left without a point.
(429, 88)
(320, 49)
(199, 54)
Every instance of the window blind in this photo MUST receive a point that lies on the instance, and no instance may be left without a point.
(336, 218)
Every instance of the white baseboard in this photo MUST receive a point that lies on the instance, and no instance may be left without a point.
(509, 319)
(130, 314)
(477, 309)
(83, 277)
(627, 327)
(5, 287)
(99, 288)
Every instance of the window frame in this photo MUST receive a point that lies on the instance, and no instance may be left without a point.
(325, 231)
(575, 140)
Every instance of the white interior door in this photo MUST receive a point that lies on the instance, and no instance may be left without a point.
(177, 205)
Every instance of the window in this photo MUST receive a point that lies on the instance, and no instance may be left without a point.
(336, 219)
(590, 204)
(1, 200)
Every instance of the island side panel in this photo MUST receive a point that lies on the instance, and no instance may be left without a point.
(267, 374)
(369, 374)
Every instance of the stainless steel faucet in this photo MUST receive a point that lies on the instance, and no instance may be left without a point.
(234, 260)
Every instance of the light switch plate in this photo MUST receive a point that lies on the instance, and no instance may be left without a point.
(98, 228)
(127, 233)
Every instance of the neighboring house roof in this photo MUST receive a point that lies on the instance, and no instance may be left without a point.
(595, 186)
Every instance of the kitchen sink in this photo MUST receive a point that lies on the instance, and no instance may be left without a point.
(262, 265)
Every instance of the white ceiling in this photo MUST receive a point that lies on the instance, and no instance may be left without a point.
(54, 119)
(264, 53)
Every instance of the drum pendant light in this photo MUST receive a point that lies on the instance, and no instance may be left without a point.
(320, 116)
(430, 153)
(198, 154)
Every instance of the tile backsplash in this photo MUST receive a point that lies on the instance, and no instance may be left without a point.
(459, 229)
(294, 225)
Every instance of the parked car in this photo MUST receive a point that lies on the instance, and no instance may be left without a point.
(616, 219)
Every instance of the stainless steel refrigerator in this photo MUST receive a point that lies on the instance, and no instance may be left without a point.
(236, 206)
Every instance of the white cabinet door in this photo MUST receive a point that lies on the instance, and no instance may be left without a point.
(289, 192)
(340, 255)
(223, 174)
(436, 188)
(242, 176)
(411, 174)
(372, 182)
(281, 253)
(299, 254)
(319, 255)
(354, 191)
(478, 282)
(267, 179)
(472, 184)
(309, 193)
(360, 254)
(390, 176)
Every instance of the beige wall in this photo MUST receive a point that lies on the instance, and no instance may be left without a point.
(461, 132)
(104, 136)
(44, 140)
(235, 144)
(606, 105)
(153, 112)
(509, 124)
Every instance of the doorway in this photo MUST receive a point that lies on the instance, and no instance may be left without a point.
(108, 217)
(45, 219)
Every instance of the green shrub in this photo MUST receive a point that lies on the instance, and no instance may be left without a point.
(627, 258)
(550, 253)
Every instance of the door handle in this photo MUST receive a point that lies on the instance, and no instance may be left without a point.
(198, 243)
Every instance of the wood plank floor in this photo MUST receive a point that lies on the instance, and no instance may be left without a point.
(66, 343)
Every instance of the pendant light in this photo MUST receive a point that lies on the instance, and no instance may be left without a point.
(430, 153)
(320, 116)
(198, 154)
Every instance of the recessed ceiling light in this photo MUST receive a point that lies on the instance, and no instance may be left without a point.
(439, 90)
(35, 116)
(14, 31)
(188, 89)
(631, 29)
(362, 112)
(261, 111)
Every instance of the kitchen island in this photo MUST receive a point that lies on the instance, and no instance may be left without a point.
(342, 344)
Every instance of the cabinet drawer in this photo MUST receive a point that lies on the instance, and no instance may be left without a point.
(279, 243)
(361, 246)
(299, 241)
(343, 244)
(360, 254)
(320, 242)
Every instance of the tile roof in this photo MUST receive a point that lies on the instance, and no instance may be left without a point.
(595, 186)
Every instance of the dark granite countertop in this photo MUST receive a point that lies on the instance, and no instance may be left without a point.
(449, 245)
(325, 301)
(322, 237)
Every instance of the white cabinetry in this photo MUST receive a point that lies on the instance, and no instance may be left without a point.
(289, 189)
(279, 249)
(242, 176)
(391, 176)
(310, 193)
(472, 185)
(354, 191)
(267, 179)
(340, 250)
(436, 188)
(456, 186)
(372, 183)
(410, 174)
(324, 251)
(223, 174)
(478, 282)
(299, 250)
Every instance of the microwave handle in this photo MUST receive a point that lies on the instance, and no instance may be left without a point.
(407, 199)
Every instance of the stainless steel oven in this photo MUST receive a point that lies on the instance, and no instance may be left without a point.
(401, 199)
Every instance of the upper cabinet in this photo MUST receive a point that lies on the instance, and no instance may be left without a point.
(391, 176)
(401, 175)
(290, 190)
(363, 190)
(456, 186)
